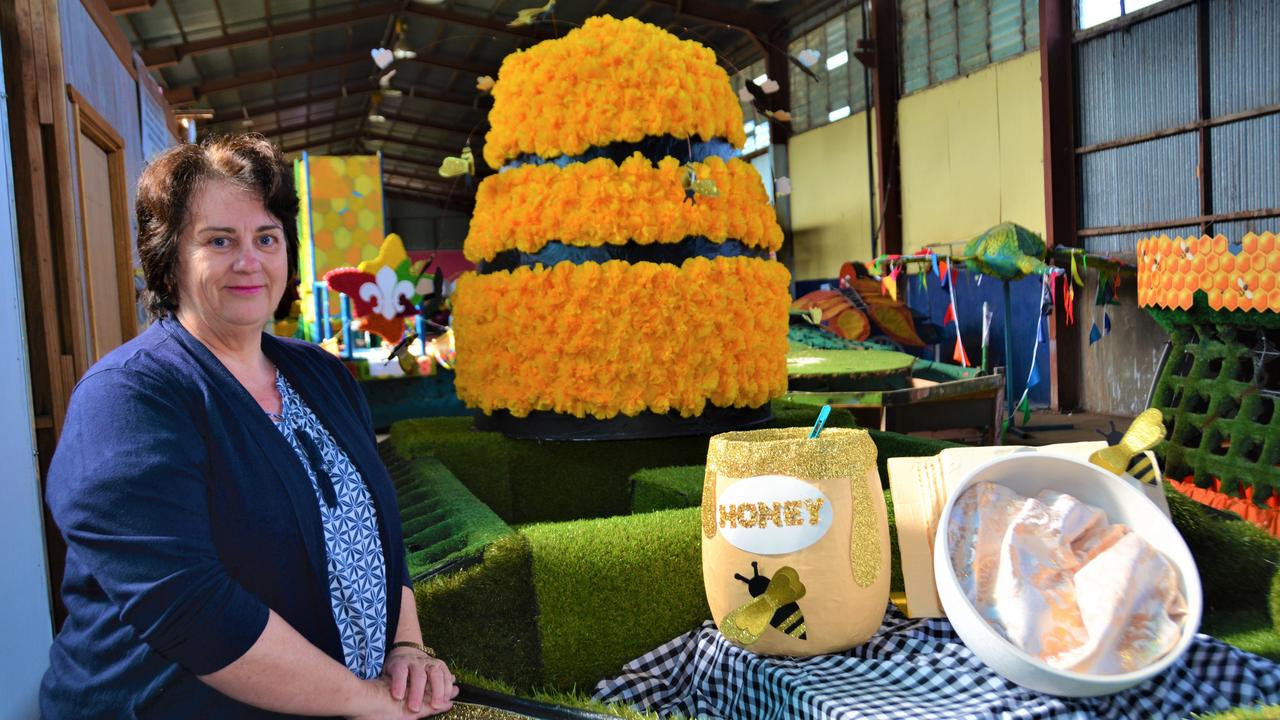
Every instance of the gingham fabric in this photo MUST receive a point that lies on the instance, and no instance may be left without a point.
(917, 669)
(353, 547)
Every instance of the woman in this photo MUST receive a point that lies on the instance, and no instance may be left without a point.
(233, 541)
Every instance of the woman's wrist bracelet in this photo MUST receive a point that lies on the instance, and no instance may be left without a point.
(416, 646)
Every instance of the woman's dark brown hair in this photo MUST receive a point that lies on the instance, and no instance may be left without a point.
(167, 185)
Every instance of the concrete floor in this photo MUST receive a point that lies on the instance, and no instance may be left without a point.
(1085, 427)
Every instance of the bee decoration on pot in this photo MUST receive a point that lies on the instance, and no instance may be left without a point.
(773, 604)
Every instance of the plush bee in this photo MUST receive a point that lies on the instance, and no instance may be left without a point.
(773, 603)
(1129, 454)
(693, 186)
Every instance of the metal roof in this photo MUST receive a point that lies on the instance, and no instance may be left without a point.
(301, 72)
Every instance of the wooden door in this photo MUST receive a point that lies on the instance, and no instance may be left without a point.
(104, 229)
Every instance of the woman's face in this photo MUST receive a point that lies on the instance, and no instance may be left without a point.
(232, 262)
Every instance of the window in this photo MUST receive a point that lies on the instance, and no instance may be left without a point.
(756, 125)
(841, 89)
(945, 39)
(1096, 12)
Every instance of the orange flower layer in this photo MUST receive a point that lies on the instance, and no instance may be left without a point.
(1233, 276)
(609, 81)
(602, 339)
(599, 203)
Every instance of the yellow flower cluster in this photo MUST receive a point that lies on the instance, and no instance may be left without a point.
(609, 81)
(598, 203)
(602, 339)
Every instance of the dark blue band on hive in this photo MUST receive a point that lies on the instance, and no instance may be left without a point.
(653, 148)
(556, 252)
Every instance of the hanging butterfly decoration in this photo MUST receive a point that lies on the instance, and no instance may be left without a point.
(805, 60)
(530, 16)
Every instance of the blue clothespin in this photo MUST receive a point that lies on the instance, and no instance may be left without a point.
(822, 421)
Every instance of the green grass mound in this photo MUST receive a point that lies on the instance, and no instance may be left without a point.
(441, 519)
(667, 488)
(485, 617)
(806, 362)
(610, 590)
(526, 481)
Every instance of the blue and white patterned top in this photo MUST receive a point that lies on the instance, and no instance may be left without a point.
(353, 547)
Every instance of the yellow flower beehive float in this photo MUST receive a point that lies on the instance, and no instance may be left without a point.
(625, 282)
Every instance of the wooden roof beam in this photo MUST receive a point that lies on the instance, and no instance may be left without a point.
(172, 54)
(190, 93)
(481, 23)
(751, 21)
(398, 115)
(314, 123)
(355, 90)
(125, 7)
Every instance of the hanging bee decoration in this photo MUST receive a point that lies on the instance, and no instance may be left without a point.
(455, 166)
(402, 353)
(773, 604)
(529, 16)
(693, 186)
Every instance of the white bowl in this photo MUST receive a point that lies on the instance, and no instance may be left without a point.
(1028, 474)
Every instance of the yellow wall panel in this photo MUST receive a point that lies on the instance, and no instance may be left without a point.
(971, 157)
(829, 201)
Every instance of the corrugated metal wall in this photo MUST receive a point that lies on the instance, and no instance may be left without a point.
(944, 39)
(1142, 79)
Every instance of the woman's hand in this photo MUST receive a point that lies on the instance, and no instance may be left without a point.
(377, 703)
(419, 680)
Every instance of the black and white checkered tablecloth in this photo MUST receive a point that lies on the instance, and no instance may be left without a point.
(916, 669)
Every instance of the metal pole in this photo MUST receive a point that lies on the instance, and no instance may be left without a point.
(1008, 352)
(348, 335)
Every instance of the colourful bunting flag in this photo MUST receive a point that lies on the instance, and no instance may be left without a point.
(891, 284)
(1069, 301)
(933, 260)
(1106, 323)
(1053, 279)
(1075, 274)
(1025, 407)
(958, 355)
(1094, 335)
(1034, 380)
(950, 316)
(1039, 331)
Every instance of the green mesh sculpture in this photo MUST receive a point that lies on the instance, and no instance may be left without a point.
(1007, 251)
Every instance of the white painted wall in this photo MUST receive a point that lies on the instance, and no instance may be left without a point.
(25, 623)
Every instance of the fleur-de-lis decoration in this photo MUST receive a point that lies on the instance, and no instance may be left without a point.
(529, 16)
(385, 292)
(694, 186)
(455, 166)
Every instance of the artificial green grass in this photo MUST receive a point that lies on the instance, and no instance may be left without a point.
(1248, 629)
(441, 519)
(485, 617)
(1262, 712)
(802, 360)
(666, 488)
(617, 587)
(579, 700)
(1237, 560)
(526, 481)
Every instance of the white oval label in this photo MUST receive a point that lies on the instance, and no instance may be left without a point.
(773, 514)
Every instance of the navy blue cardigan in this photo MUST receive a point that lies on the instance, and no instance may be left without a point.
(187, 515)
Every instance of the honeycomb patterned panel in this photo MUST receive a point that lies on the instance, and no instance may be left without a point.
(1233, 274)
